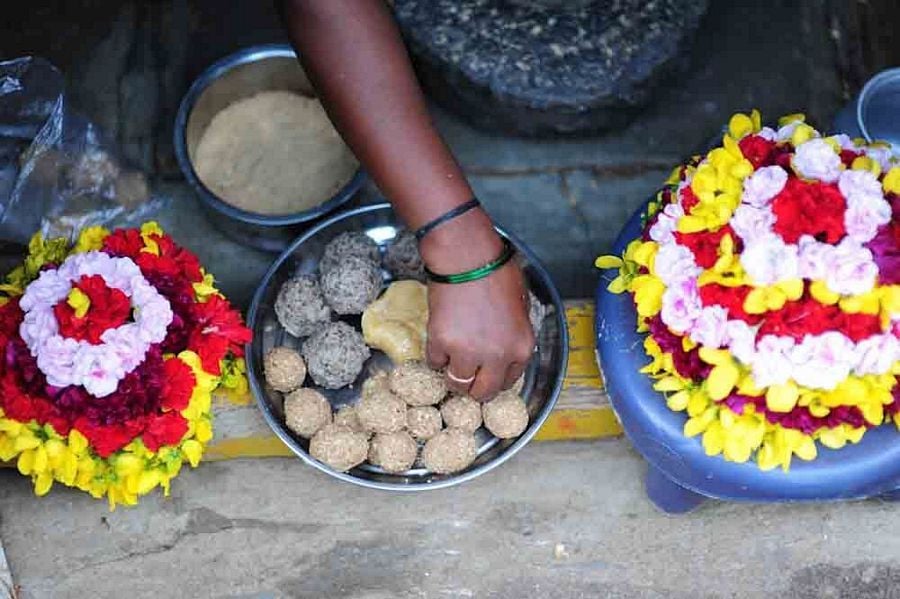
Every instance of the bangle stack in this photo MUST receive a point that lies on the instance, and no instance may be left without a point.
(468, 276)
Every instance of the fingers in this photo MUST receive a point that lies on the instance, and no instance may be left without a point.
(462, 372)
(436, 355)
(489, 381)
(513, 374)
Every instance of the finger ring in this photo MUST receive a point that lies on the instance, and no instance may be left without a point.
(460, 381)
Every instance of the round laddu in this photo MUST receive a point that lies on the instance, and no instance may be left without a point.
(347, 416)
(381, 412)
(339, 447)
(284, 368)
(351, 285)
(306, 411)
(418, 385)
(402, 258)
(300, 306)
(506, 416)
(462, 412)
(423, 422)
(450, 451)
(345, 245)
(394, 452)
(335, 355)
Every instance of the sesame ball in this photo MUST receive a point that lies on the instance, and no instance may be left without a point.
(285, 369)
(402, 258)
(423, 422)
(450, 451)
(394, 452)
(306, 411)
(351, 244)
(418, 385)
(351, 285)
(462, 412)
(339, 447)
(335, 355)
(506, 416)
(379, 410)
(301, 308)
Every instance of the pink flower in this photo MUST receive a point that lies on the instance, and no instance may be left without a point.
(741, 340)
(771, 364)
(674, 263)
(663, 230)
(851, 269)
(865, 215)
(877, 354)
(763, 185)
(814, 256)
(769, 260)
(822, 361)
(817, 160)
(681, 305)
(710, 327)
(751, 223)
(854, 183)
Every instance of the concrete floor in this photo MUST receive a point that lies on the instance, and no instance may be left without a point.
(561, 520)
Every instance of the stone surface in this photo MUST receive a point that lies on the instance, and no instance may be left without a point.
(542, 68)
(581, 528)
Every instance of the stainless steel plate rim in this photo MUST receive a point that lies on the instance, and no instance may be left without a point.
(277, 426)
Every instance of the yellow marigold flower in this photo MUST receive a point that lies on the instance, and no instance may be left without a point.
(764, 299)
(782, 398)
(822, 294)
(791, 118)
(802, 134)
(147, 481)
(607, 262)
(206, 288)
(740, 126)
(648, 292)
(891, 181)
(90, 240)
(43, 482)
(868, 303)
(699, 424)
(193, 451)
(864, 163)
(204, 432)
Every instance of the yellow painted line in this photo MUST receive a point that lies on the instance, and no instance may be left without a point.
(582, 368)
(263, 446)
(575, 424)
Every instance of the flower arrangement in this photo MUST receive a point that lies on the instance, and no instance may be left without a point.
(767, 279)
(112, 349)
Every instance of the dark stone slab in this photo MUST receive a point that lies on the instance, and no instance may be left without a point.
(547, 67)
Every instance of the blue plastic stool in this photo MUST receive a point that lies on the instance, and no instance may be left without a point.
(681, 475)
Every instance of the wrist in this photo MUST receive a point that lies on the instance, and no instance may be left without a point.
(467, 242)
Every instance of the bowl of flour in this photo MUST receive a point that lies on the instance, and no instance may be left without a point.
(257, 146)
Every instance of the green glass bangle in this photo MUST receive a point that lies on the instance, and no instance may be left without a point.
(479, 273)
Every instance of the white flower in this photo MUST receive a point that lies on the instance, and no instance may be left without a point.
(816, 159)
(854, 183)
(768, 134)
(681, 305)
(763, 185)
(662, 231)
(48, 288)
(814, 258)
(845, 141)
(877, 354)
(851, 269)
(883, 156)
(771, 364)
(674, 263)
(769, 260)
(709, 328)
(864, 216)
(787, 132)
(822, 361)
(741, 340)
(750, 223)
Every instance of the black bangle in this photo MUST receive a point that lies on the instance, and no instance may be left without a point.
(447, 216)
(478, 273)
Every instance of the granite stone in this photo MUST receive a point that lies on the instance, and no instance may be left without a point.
(543, 68)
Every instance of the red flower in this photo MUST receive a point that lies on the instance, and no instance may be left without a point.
(10, 319)
(730, 298)
(815, 209)
(705, 244)
(110, 308)
(758, 150)
(105, 440)
(848, 156)
(807, 316)
(164, 429)
(126, 243)
(178, 385)
(688, 199)
(218, 329)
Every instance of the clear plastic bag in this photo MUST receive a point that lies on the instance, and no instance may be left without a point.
(57, 173)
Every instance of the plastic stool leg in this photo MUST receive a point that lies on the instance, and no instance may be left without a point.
(668, 495)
